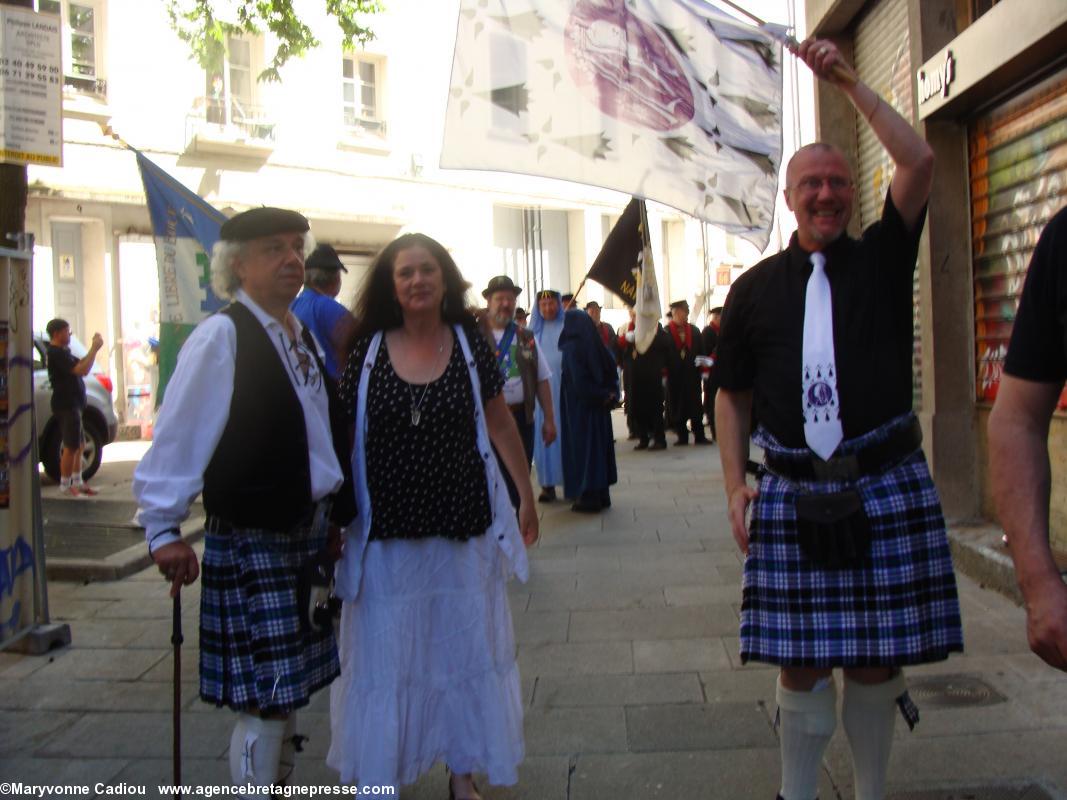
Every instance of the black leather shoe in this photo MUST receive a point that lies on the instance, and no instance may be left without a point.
(587, 508)
(642, 445)
(703, 441)
(661, 445)
(548, 495)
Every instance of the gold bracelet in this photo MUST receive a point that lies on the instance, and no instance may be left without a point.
(877, 105)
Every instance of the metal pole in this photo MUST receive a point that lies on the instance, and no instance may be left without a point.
(841, 71)
(176, 640)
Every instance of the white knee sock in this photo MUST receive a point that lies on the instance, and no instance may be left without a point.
(287, 760)
(868, 713)
(255, 749)
(806, 723)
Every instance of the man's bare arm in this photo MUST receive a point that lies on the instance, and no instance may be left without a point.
(733, 415)
(1021, 478)
(912, 156)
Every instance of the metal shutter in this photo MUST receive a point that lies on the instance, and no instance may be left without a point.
(1018, 170)
(883, 62)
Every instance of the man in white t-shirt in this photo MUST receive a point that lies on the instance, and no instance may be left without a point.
(525, 370)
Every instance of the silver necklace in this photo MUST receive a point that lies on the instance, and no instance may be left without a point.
(416, 407)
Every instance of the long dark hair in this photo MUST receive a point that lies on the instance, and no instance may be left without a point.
(376, 308)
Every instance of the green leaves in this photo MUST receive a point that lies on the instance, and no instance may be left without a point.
(197, 23)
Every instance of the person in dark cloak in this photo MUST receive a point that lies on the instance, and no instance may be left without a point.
(683, 377)
(710, 336)
(647, 375)
(589, 388)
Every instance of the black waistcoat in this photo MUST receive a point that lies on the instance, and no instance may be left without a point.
(259, 475)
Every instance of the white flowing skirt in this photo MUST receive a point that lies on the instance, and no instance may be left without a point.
(428, 667)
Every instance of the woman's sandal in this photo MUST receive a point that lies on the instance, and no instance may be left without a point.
(452, 794)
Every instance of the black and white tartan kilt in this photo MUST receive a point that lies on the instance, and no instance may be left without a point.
(253, 653)
(900, 608)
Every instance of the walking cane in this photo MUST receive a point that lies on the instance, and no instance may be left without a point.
(176, 640)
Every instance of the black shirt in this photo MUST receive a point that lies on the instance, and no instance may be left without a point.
(1038, 348)
(426, 479)
(762, 329)
(68, 389)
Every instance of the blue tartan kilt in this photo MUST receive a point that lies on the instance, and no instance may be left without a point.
(899, 608)
(253, 653)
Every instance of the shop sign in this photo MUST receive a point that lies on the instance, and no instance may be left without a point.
(937, 82)
(31, 86)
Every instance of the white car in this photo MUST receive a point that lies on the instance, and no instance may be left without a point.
(99, 421)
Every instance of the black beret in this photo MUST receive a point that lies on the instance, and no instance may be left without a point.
(680, 304)
(548, 293)
(716, 310)
(263, 221)
(324, 257)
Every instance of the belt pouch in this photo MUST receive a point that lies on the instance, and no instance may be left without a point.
(832, 529)
(314, 600)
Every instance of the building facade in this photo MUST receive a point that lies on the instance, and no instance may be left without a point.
(986, 84)
(351, 139)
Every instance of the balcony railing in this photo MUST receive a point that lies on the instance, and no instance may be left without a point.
(214, 125)
(364, 125)
(94, 87)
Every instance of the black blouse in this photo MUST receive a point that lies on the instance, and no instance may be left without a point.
(761, 337)
(426, 479)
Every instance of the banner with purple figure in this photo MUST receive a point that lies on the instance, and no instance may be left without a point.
(669, 100)
(185, 228)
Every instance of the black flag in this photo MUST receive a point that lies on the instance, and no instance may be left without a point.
(617, 266)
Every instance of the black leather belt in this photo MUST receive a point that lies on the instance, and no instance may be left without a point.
(304, 526)
(871, 460)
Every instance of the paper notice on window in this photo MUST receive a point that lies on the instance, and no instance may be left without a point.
(31, 88)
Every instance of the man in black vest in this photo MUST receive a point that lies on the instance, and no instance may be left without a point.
(250, 419)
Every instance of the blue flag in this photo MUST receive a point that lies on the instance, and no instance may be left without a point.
(185, 228)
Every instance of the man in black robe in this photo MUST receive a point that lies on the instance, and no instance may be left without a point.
(683, 376)
(710, 335)
(647, 373)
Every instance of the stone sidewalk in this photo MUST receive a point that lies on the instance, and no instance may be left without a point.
(627, 636)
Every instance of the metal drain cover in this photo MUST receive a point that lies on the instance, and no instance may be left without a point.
(953, 691)
(1029, 792)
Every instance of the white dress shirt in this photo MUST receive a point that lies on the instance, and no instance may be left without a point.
(194, 414)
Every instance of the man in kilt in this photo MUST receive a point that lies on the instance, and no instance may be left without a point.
(847, 560)
(250, 420)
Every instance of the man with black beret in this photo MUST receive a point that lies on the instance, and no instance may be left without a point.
(318, 309)
(249, 421)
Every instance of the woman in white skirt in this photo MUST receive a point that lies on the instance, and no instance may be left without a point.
(428, 668)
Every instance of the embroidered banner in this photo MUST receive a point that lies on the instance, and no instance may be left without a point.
(669, 100)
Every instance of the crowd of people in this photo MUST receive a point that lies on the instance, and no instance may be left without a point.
(390, 448)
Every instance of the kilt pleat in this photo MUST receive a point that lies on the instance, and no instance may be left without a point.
(253, 653)
(900, 607)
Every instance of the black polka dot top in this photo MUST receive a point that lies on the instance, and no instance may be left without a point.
(426, 479)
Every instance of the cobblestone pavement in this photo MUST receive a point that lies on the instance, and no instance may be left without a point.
(627, 645)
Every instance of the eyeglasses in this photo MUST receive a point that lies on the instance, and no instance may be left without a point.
(812, 185)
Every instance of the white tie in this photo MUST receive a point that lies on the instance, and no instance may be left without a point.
(822, 408)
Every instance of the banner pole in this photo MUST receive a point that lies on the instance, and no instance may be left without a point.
(842, 71)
